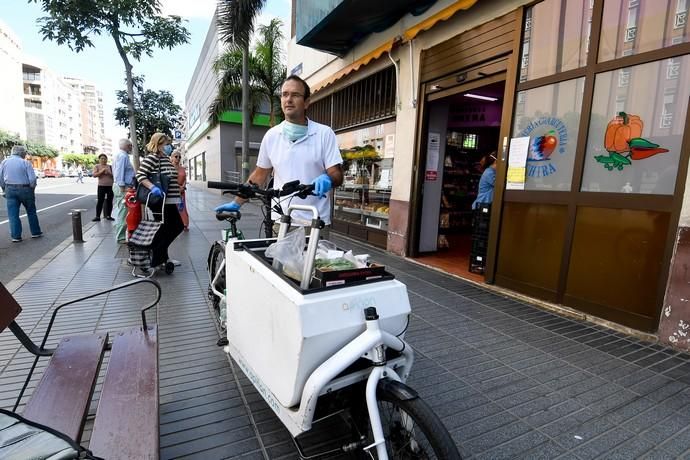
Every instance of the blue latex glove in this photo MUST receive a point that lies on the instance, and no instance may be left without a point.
(233, 206)
(322, 185)
(155, 191)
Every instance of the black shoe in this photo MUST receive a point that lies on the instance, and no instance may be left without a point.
(96, 219)
(109, 218)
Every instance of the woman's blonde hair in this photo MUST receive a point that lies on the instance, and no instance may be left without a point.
(156, 140)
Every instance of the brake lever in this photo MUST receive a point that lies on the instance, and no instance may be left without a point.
(307, 191)
(245, 192)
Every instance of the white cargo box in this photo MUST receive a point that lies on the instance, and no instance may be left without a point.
(283, 334)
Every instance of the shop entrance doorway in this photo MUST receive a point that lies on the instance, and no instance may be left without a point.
(463, 138)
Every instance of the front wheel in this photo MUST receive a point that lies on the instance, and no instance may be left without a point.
(216, 274)
(411, 428)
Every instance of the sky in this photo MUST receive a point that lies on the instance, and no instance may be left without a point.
(169, 70)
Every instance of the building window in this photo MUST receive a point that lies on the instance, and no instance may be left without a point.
(631, 28)
(646, 24)
(551, 120)
(623, 77)
(365, 101)
(672, 69)
(644, 156)
(551, 47)
(620, 103)
(681, 17)
(666, 119)
(368, 153)
(31, 104)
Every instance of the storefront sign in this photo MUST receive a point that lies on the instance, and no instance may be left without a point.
(517, 158)
(549, 134)
(432, 154)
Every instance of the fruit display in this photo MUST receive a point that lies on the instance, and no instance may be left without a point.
(364, 152)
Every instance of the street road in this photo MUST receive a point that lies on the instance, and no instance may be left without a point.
(54, 200)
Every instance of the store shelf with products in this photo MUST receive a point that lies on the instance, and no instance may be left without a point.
(459, 190)
(362, 202)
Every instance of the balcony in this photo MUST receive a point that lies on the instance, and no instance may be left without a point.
(335, 26)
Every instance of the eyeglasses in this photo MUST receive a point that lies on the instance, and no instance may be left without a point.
(291, 95)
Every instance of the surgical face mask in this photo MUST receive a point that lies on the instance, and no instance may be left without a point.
(294, 131)
(167, 149)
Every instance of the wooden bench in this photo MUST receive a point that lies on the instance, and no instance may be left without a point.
(126, 423)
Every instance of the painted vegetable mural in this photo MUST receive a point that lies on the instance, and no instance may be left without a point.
(624, 143)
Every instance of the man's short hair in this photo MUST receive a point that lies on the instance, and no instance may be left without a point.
(19, 150)
(307, 91)
(124, 143)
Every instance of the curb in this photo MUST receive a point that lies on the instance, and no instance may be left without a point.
(40, 264)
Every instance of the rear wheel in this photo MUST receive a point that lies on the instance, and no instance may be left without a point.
(411, 428)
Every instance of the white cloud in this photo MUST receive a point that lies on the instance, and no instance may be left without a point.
(189, 8)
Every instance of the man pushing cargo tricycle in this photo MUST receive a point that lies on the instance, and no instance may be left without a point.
(317, 344)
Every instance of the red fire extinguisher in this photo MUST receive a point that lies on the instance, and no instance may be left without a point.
(133, 210)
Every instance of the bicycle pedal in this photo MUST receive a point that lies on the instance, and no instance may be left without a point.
(222, 342)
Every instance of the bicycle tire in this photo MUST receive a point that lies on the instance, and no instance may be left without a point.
(215, 257)
(427, 425)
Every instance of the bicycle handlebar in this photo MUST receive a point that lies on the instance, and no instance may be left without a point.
(252, 191)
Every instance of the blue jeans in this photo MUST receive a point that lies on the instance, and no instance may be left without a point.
(17, 196)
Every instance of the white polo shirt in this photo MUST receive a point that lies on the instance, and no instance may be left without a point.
(303, 160)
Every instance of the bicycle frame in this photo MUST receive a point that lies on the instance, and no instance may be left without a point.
(369, 345)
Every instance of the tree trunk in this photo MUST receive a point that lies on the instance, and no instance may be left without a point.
(132, 118)
(246, 122)
(130, 99)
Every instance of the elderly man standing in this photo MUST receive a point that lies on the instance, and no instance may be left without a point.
(123, 175)
(18, 180)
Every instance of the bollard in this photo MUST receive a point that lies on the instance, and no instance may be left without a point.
(76, 225)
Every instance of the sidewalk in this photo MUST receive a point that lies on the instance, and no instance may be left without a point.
(508, 379)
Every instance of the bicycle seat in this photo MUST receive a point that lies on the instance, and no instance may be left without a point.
(228, 215)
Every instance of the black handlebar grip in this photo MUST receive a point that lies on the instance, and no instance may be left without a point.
(223, 185)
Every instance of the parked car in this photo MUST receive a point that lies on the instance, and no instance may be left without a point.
(39, 173)
(52, 173)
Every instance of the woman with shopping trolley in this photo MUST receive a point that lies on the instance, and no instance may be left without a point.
(157, 165)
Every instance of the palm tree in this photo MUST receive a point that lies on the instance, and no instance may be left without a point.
(229, 97)
(266, 73)
(235, 22)
(270, 71)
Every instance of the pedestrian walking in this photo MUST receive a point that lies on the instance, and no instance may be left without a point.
(104, 172)
(80, 176)
(123, 177)
(158, 163)
(18, 181)
(175, 159)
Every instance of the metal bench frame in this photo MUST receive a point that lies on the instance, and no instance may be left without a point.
(40, 351)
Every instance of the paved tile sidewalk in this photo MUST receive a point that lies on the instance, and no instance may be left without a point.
(508, 379)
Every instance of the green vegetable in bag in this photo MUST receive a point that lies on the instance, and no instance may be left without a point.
(334, 264)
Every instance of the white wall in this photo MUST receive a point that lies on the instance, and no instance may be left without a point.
(203, 86)
(12, 94)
